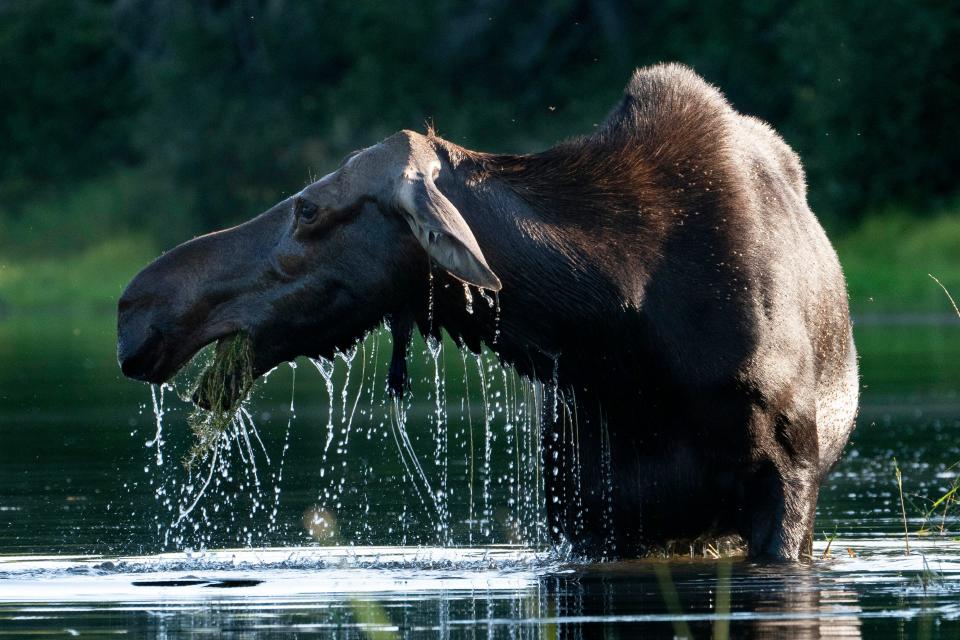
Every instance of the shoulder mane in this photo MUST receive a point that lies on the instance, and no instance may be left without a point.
(670, 130)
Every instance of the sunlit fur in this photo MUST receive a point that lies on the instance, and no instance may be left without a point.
(664, 274)
(696, 309)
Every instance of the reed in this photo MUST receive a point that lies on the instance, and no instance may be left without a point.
(903, 508)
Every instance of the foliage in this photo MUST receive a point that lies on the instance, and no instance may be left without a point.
(887, 259)
(67, 94)
(86, 283)
(231, 104)
(61, 222)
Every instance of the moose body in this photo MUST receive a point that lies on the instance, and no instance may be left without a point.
(664, 275)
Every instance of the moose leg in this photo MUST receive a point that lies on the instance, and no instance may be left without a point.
(782, 490)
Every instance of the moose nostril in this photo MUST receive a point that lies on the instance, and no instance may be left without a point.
(128, 302)
(137, 352)
(124, 304)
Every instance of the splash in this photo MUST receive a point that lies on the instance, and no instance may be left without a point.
(157, 397)
(325, 368)
(224, 493)
(457, 461)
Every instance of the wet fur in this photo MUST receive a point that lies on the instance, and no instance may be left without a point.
(664, 275)
(668, 271)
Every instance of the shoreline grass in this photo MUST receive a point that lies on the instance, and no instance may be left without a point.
(887, 260)
(87, 282)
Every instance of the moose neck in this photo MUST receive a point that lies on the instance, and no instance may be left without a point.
(550, 289)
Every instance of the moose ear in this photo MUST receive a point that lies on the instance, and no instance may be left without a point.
(441, 229)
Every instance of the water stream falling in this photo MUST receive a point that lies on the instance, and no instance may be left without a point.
(157, 397)
(457, 461)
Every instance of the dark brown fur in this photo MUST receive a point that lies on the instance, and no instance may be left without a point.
(665, 271)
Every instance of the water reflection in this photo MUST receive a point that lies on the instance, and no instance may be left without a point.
(698, 601)
(355, 592)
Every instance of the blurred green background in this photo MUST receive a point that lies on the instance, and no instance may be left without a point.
(128, 126)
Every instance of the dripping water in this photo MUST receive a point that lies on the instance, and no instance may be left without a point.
(157, 398)
(325, 368)
(438, 482)
(278, 476)
(487, 451)
(440, 454)
(606, 466)
(468, 296)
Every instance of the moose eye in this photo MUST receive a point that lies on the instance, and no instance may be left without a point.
(305, 211)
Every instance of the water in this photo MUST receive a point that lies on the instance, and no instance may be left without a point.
(341, 535)
(471, 592)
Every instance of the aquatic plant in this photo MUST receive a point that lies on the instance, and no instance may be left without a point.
(951, 495)
(830, 539)
(903, 508)
(944, 502)
(220, 389)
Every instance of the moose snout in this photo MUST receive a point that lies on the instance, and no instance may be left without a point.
(136, 352)
(139, 342)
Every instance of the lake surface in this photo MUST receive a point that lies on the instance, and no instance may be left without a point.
(428, 521)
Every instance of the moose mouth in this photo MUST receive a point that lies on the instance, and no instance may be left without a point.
(227, 380)
(159, 357)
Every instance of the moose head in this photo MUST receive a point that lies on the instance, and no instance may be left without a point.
(311, 274)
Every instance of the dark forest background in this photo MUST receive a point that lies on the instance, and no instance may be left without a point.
(153, 120)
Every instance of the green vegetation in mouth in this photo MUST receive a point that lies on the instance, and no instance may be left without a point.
(220, 390)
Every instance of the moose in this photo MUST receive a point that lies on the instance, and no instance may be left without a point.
(664, 274)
